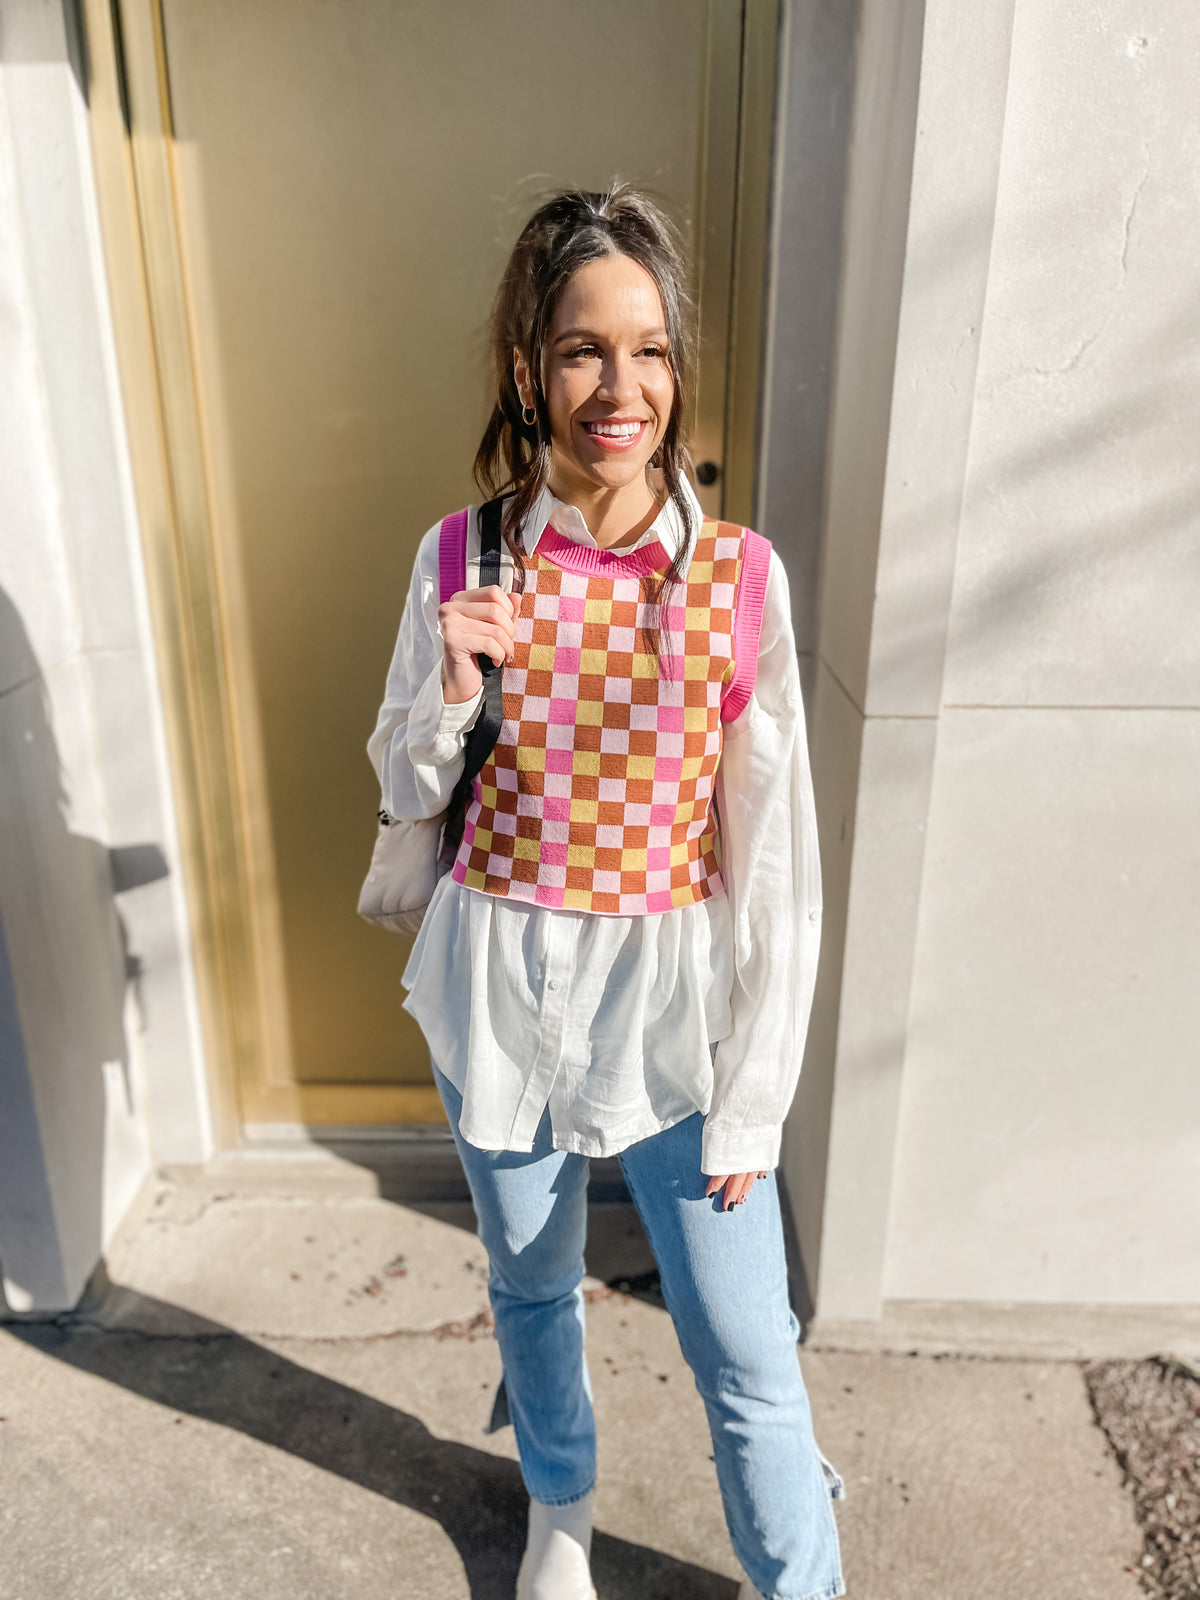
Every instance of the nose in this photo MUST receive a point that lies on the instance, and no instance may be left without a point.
(618, 380)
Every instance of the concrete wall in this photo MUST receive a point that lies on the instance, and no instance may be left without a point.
(100, 1060)
(1009, 664)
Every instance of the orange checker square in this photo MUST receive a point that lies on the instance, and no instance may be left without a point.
(608, 904)
(640, 791)
(616, 713)
(610, 813)
(607, 860)
(595, 635)
(624, 614)
(619, 664)
(642, 741)
(591, 688)
(531, 781)
(587, 735)
(545, 631)
(525, 871)
(637, 837)
(645, 691)
(695, 692)
(538, 682)
(585, 785)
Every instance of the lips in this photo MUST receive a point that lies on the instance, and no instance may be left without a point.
(615, 433)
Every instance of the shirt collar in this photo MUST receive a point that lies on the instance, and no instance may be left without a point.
(667, 527)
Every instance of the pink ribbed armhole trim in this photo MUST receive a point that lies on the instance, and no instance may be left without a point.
(747, 624)
(452, 555)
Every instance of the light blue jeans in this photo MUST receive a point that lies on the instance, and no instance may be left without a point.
(724, 1279)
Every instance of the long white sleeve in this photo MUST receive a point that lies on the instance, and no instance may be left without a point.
(417, 746)
(772, 874)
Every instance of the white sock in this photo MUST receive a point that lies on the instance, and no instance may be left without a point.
(555, 1563)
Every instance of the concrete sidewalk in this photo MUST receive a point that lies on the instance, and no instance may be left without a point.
(281, 1391)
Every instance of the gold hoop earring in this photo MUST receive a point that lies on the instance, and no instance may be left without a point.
(528, 416)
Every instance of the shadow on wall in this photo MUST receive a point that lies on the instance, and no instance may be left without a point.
(67, 1085)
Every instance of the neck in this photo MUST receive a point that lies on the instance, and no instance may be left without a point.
(614, 517)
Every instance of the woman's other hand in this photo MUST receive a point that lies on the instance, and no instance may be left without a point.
(737, 1186)
(474, 622)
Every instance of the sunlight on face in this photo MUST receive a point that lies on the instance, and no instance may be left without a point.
(607, 377)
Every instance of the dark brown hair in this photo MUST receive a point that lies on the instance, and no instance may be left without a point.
(564, 234)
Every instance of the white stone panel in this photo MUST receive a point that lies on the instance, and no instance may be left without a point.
(1078, 573)
(1049, 1132)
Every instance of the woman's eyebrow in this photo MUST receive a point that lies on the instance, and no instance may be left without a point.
(588, 333)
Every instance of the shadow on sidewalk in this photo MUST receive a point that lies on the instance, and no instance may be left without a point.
(206, 1370)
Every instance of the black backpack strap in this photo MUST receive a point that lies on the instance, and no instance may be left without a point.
(482, 735)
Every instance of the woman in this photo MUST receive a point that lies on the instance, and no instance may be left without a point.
(622, 959)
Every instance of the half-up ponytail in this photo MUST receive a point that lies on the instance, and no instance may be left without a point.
(566, 233)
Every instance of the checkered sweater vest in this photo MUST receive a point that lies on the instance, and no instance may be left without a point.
(598, 794)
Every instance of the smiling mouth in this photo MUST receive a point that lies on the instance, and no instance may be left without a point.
(615, 435)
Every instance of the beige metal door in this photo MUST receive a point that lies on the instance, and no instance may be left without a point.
(345, 181)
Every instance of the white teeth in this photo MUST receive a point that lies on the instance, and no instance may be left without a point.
(615, 430)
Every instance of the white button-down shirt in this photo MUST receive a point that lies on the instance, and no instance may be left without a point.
(621, 1025)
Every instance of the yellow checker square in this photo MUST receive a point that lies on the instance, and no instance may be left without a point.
(645, 665)
(541, 658)
(692, 766)
(596, 609)
(700, 571)
(581, 855)
(473, 879)
(633, 861)
(482, 839)
(639, 767)
(489, 795)
(526, 849)
(577, 899)
(531, 758)
(697, 619)
(695, 666)
(695, 719)
(585, 810)
(590, 713)
(593, 663)
(729, 670)
(680, 852)
(586, 762)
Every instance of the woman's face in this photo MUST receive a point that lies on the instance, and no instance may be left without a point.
(607, 377)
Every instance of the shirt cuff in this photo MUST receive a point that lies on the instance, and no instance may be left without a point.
(436, 731)
(725, 1151)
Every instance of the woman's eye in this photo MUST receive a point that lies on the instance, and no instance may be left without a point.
(654, 350)
(583, 350)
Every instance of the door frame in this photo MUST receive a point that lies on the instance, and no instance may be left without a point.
(191, 581)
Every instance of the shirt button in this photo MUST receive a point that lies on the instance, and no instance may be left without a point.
(814, 916)
(554, 985)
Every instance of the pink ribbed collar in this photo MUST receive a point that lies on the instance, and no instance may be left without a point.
(573, 556)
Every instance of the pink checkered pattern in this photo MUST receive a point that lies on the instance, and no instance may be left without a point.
(597, 796)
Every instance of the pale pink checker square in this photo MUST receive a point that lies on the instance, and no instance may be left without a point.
(612, 788)
(615, 740)
(560, 736)
(618, 690)
(607, 882)
(723, 595)
(564, 690)
(637, 816)
(535, 708)
(545, 605)
(669, 747)
(643, 716)
(504, 822)
(609, 835)
(622, 638)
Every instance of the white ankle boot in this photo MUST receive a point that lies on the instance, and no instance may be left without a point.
(557, 1552)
